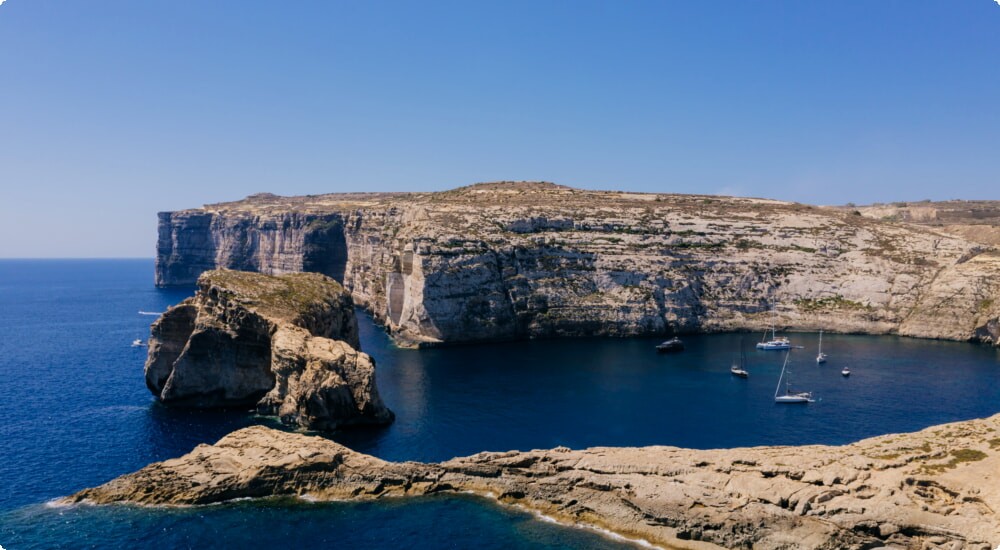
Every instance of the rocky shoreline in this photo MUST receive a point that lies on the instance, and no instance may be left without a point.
(929, 489)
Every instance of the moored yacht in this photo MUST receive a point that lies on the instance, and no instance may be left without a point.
(673, 344)
(790, 396)
(820, 356)
(775, 343)
(738, 368)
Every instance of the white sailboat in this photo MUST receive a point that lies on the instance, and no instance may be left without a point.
(820, 356)
(739, 368)
(774, 343)
(789, 396)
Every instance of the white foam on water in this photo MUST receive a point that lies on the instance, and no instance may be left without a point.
(59, 504)
(150, 312)
(587, 527)
(584, 526)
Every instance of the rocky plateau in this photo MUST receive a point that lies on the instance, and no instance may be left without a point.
(512, 260)
(286, 345)
(924, 490)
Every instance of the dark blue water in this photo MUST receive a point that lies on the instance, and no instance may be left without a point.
(74, 412)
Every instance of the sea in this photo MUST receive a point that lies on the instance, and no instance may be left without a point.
(75, 412)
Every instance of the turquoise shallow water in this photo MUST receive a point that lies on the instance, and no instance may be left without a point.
(76, 413)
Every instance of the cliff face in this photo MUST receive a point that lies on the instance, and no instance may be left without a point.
(192, 242)
(918, 490)
(286, 345)
(515, 260)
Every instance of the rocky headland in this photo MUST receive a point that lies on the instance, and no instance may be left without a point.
(977, 221)
(515, 260)
(286, 345)
(929, 489)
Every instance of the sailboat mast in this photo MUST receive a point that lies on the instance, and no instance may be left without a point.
(780, 376)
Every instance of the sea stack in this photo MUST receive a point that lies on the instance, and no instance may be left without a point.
(286, 345)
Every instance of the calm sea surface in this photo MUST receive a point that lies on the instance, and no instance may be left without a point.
(74, 412)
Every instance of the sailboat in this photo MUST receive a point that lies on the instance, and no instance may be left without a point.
(739, 368)
(820, 356)
(789, 396)
(774, 343)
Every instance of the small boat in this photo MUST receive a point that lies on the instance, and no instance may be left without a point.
(673, 344)
(775, 343)
(845, 372)
(739, 368)
(790, 396)
(137, 343)
(820, 356)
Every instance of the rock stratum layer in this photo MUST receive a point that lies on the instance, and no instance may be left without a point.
(286, 345)
(521, 260)
(928, 489)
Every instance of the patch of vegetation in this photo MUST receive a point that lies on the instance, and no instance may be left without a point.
(283, 296)
(830, 302)
(707, 246)
(994, 443)
(889, 456)
(746, 244)
(958, 456)
(984, 305)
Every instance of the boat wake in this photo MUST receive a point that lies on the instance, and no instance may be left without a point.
(150, 312)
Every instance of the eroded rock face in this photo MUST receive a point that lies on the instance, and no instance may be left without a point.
(929, 489)
(285, 344)
(522, 260)
(321, 383)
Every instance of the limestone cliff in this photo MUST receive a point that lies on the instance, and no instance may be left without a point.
(517, 260)
(977, 221)
(284, 344)
(930, 489)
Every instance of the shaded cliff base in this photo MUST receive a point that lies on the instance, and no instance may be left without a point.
(929, 489)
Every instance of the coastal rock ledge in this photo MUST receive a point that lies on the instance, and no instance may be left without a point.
(286, 345)
(929, 489)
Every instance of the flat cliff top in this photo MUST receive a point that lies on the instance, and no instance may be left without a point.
(931, 488)
(479, 210)
(286, 297)
(517, 193)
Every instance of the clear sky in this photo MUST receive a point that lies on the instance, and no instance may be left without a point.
(113, 110)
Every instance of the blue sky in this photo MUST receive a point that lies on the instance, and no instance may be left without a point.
(113, 110)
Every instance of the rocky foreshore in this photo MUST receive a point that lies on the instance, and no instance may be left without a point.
(929, 489)
(285, 345)
(512, 260)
